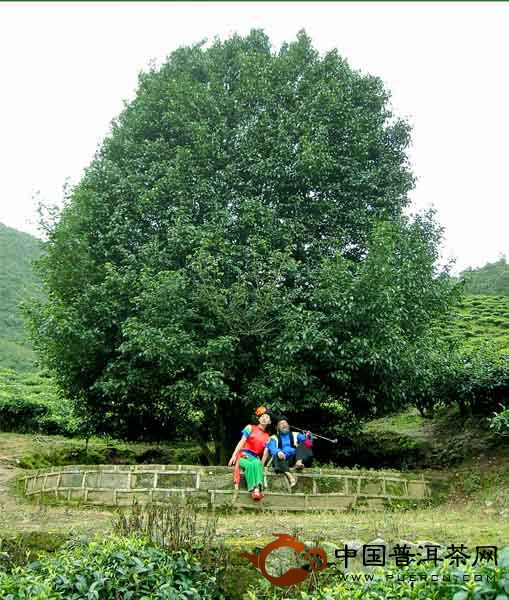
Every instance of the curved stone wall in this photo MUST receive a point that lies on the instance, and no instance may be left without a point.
(317, 489)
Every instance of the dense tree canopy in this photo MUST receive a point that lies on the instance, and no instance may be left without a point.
(239, 238)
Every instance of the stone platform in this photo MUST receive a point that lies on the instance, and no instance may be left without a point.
(317, 489)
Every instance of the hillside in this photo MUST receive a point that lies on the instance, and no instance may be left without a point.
(479, 319)
(17, 281)
(492, 278)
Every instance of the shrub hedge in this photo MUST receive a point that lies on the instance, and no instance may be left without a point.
(423, 582)
(113, 568)
(30, 403)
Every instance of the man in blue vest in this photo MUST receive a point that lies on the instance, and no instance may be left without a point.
(289, 448)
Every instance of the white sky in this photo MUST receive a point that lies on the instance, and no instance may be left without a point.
(66, 68)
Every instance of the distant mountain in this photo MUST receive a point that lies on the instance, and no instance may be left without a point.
(492, 278)
(17, 281)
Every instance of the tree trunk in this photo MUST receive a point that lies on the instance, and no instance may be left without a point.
(227, 434)
(206, 456)
(462, 407)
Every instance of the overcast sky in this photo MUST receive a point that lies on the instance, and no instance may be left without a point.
(65, 70)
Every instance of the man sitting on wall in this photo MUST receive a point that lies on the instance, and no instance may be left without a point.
(288, 449)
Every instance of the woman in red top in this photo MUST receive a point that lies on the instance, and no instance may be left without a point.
(248, 453)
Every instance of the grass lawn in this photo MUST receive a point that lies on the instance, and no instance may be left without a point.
(468, 523)
(474, 511)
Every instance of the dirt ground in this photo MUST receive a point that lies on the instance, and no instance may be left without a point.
(18, 514)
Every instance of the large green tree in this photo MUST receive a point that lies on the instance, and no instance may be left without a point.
(238, 238)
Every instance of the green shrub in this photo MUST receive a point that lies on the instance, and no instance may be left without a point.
(181, 453)
(499, 423)
(21, 415)
(26, 546)
(173, 525)
(78, 455)
(116, 452)
(481, 381)
(477, 320)
(328, 585)
(30, 403)
(476, 381)
(379, 449)
(176, 525)
(111, 568)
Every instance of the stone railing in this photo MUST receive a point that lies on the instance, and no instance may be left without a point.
(317, 489)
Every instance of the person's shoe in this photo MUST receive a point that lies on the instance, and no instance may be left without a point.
(291, 479)
(299, 465)
(256, 494)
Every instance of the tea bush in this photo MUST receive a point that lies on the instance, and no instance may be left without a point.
(469, 361)
(18, 549)
(116, 452)
(113, 568)
(477, 320)
(476, 381)
(378, 449)
(30, 403)
(448, 584)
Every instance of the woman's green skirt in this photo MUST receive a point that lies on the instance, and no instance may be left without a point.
(253, 471)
